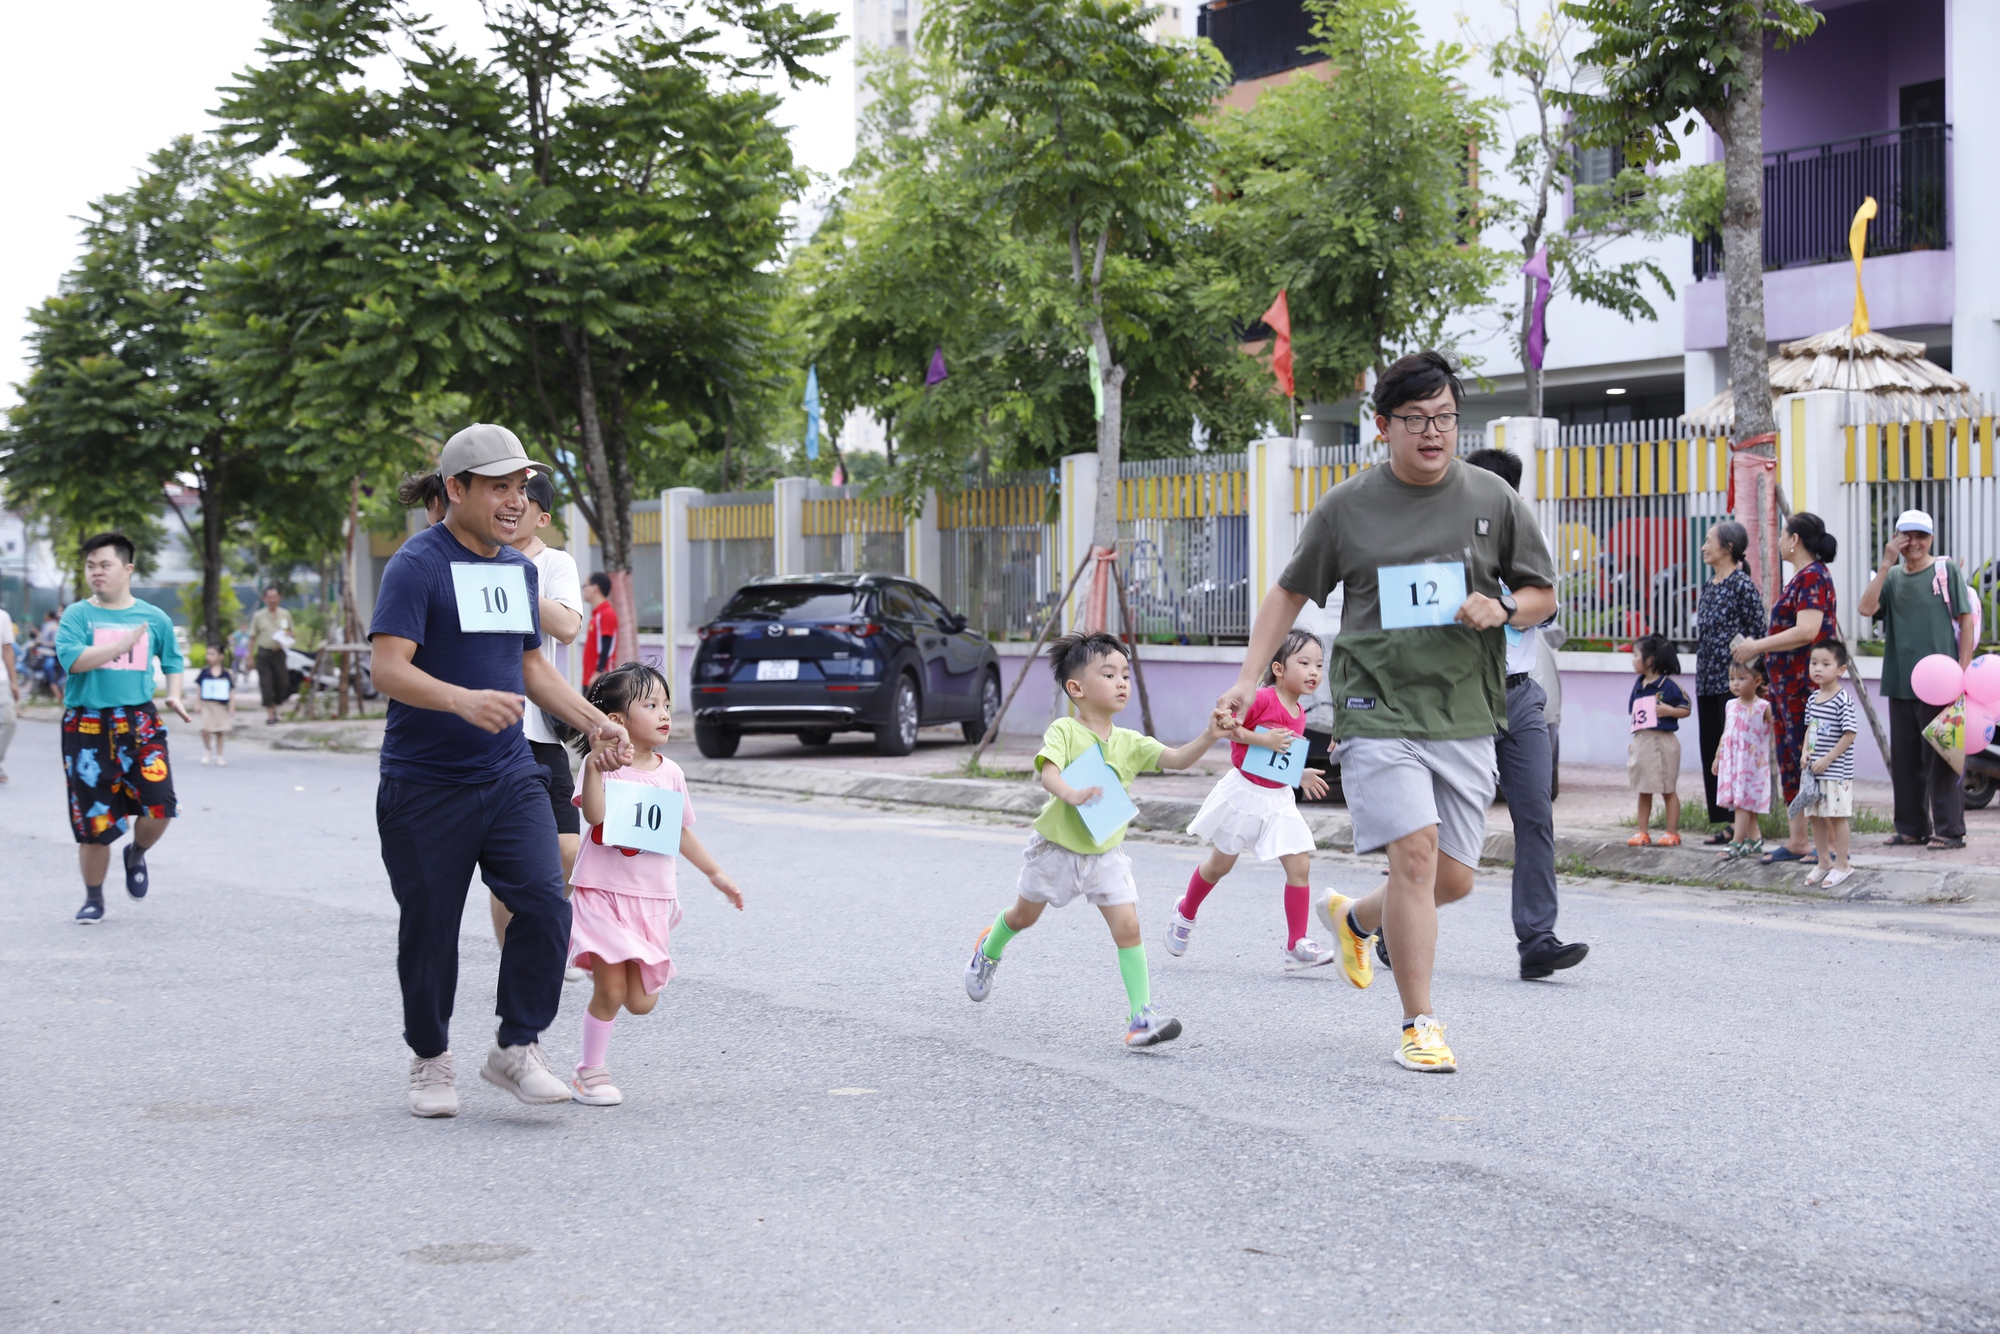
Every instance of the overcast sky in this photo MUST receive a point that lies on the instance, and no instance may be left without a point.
(89, 88)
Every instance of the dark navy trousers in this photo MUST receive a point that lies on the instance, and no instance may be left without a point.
(432, 838)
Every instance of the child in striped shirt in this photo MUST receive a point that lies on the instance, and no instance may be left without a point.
(1830, 753)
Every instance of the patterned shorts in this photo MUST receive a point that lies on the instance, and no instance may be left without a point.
(116, 763)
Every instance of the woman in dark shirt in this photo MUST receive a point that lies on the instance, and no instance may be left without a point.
(1802, 616)
(1730, 606)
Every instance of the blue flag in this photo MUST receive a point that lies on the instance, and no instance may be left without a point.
(812, 412)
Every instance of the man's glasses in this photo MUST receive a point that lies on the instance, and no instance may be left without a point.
(1416, 423)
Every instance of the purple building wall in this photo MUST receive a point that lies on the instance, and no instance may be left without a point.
(1845, 79)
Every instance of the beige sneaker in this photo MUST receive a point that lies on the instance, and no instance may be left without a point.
(523, 1073)
(593, 1086)
(432, 1092)
(574, 974)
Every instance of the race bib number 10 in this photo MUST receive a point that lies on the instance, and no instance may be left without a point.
(492, 599)
(1413, 596)
(641, 816)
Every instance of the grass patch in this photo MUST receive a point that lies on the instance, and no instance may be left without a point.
(1772, 824)
(969, 769)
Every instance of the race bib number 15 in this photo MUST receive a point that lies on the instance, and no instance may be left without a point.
(1413, 596)
(492, 598)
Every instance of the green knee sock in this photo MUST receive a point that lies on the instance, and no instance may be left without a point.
(1138, 986)
(997, 938)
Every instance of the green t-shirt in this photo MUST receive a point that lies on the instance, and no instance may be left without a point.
(1916, 623)
(1421, 682)
(123, 681)
(1129, 754)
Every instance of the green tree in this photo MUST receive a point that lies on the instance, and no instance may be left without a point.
(1354, 193)
(576, 234)
(1667, 61)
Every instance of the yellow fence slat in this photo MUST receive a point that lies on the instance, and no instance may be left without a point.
(1940, 451)
(1986, 459)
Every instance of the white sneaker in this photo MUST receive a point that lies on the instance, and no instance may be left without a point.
(523, 1073)
(221, 763)
(574, 974)
(593, 1087)
(979, 969)
(1309, 953)
(204, 754)
(1178, 932)
(432, 1091)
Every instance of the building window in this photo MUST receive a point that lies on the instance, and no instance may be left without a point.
(1598, 166)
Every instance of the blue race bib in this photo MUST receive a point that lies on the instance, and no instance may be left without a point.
(1110, 812)
(641, 816)
(1287, 766)
(1414, 596)
(492, 598)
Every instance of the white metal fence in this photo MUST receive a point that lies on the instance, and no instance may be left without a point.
(997, 554)
(848, 531)
(729, 544)
(1184, 542)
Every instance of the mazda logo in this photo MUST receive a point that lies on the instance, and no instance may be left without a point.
(772, 630)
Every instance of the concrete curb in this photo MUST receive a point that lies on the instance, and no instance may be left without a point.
(1902, 883)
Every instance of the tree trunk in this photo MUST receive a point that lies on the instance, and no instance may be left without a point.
(1742, 133)
(614, 501)
(211, 562)
(1531, 374)
(1104, 515)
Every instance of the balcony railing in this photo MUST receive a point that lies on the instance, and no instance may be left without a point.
(1810, 195)
(1258, 37)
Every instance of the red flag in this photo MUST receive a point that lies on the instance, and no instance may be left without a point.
(1279, 317)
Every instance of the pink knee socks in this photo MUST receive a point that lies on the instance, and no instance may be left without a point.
(1197, 890)
(596, 1039)
(1296, 899)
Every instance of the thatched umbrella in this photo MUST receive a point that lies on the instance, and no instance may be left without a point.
(1892, 374)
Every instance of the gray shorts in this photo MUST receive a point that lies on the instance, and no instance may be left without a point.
(1396, 787)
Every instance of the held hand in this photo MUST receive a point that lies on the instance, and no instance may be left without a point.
(1234, 701)
(720, 879)
(489, 710)
(1221, 722)
(1278, 738)
(611, 748)
(1082, 796)
(1313, 785)
(1481, 612)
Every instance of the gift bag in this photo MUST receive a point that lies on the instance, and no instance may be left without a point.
(1946, 733)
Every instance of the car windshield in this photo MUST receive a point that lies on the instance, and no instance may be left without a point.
(793, 602)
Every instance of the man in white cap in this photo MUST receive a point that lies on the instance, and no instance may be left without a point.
(457, 635)
(1924, 606)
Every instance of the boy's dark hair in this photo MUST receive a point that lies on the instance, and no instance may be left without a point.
(126, 551)
(601, 582)
(1834, 647)
(1295, 643)
(1417, 376)
(1070, 655)
(1657, 652)
(421, 490)
(1500, 462)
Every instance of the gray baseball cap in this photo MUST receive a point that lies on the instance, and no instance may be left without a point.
(485, 449)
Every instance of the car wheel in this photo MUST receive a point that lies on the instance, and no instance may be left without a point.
(1978, 791)
(899, 737)
(989, 709)
(815, 737)
(716, 741)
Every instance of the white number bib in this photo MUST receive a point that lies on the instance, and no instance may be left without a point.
(215, 688)
(641, 816)
(492, 599)
(1413, 596)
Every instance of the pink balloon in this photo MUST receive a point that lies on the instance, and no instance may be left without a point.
(1982, 679)
(1937, 679)
(1979, 722)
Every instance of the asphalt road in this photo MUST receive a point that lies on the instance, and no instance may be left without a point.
(1740, 1113)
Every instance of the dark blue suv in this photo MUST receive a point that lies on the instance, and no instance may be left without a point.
(816, 654)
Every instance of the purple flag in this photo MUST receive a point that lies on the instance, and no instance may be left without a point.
(937, 372)
(1538, 336)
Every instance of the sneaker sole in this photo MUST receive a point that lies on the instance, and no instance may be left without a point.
(1426, 1069)
(1166, 1032)
(595, 1099)
(502, 1082)
(434, 1116)
(1301, 966)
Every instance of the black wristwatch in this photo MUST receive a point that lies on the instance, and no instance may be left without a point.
(1508, 605)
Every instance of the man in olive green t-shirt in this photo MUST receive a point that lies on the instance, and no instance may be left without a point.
(1924, 607)
(1436, 559)
(270, 636)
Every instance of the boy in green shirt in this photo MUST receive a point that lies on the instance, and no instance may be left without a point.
(114, 747)
(1063, 860)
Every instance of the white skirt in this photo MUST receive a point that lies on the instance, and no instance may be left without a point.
(1244, 818)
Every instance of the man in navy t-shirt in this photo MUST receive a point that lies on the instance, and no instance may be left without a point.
(455, 636)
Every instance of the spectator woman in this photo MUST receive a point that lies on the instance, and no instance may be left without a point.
(1730, 608)
(1802, 616)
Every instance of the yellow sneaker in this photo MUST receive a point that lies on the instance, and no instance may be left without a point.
(1423, 1048)
(1353, 949)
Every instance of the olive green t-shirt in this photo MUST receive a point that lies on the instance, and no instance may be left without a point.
(1421, 682)
(1129, 754)
(1916, 623)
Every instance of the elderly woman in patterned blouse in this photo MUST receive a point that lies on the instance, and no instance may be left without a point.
(1730, 607)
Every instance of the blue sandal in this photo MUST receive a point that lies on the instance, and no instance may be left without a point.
(137, 877)
(1781, 853)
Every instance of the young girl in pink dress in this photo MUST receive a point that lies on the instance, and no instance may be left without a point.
(624, 904)
(1247, 814)
(1743, 758)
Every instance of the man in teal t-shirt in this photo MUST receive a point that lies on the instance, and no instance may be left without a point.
(114, 746)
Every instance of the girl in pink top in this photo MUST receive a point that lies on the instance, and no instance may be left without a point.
(1250, 814)
(624, 906)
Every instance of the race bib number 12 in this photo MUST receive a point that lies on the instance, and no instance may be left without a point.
(492, 598)
(1414, 596)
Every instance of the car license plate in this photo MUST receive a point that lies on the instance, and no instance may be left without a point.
(778, 669)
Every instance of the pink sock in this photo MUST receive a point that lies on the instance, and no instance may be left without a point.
(1296, 899)
(596, 1039)
(1198, 889)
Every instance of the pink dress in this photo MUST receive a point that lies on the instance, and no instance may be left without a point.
(1743, 757)
(625, 904)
